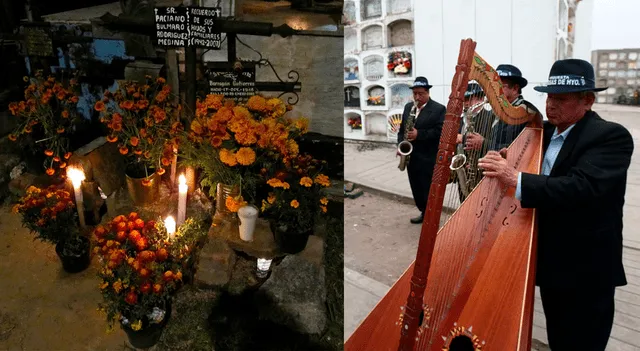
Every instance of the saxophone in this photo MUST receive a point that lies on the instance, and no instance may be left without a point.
(405, 147)
(458, 161)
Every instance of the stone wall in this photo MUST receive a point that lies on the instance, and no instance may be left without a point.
(320, 64)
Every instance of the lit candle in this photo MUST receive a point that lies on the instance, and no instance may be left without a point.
(263, 267)
(182, 199)
(77, 176)
(173, 166)
(170, 224)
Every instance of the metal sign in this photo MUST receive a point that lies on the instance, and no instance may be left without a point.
(188, 27)
(38, 40)
(238, 85)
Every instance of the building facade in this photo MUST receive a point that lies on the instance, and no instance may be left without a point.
(618, 70)
(378, 66)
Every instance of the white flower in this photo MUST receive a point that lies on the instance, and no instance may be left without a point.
(156, 316)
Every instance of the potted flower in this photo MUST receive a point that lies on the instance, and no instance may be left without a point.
(145, 123)
(355, 123)
(47, 117)
(232, 143)
(142, 268)
(51, 215)
(295, 202)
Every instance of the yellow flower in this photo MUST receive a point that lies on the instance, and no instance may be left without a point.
(324, 201)
(234, 205)
(117, 286)
(137, 325)
(294, 203)
(306, 181)
(277, 106)
(302, 124)
(322, 180)
(324, 209)
(241, 113)
(293, 148)
(228, 157)
(213, 101)
(264, 206)
(245, 156)
(272, 198)
(104, 285)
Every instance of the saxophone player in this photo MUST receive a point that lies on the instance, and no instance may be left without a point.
(476, 123)
(424, 136)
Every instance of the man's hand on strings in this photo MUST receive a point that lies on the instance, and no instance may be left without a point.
(412, 135)
(495, 165)
(474, 142)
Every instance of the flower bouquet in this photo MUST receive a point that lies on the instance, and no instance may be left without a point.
(295, 201)
(51, 214)
(355, 122)
(145, 123)
(399, 63)
(142, 267)
(232, 143)
(48, 117)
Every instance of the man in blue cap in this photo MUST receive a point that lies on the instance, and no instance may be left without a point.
(579, 197)
(503, 134)
(424, 136)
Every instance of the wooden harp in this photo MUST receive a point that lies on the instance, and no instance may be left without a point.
(471, 286)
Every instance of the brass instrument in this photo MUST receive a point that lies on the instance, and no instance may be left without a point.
(460, 159)
(405, 147)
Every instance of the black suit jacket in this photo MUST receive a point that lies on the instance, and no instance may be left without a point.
(429, 125)
(580, 206)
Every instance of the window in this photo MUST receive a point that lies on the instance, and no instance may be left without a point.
(633, 55)
(632, 65)
(623, 56)
(631, 74)
(611, 91)
(602, 72)
(613, 56)
(612, 64)
(603, 65)
(612, 73)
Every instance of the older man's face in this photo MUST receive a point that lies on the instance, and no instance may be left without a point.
(563, 110)
(421, 96)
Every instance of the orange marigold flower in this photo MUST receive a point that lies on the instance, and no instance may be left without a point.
(143, 132)
(116, 127)
(28, 129)
(134, 141)
(324, 201)
(147, 154)
(127, 105)
(67, 155)
(137, 152)
(99, 106)
(196, 127)
(294, 203)
(161, 171)
(146, 182)
(12, 137)
(322, 180)
(306, 181)
(65, 114)
(60, 130)
(165, 162)
(50, 171)
(112, 138)
(324, 209)
(142, 104)
(63, 165)
(74, 99)
(245, 156)
(48, 152)
(257, 103)
(233, 204)
(161, 80)
(213, 101)
(56, 159)
(124, 150)
(228, 157)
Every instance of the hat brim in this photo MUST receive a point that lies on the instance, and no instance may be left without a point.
(565, 89)
(522, 82)
(427, 87)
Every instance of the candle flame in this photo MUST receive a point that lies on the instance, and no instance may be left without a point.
(182, 179)
(170, 224)
(76, 175)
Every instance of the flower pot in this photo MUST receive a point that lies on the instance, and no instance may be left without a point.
(223, 191)
(149, 335)
(289, 241)
(143, 194)
(74, 259)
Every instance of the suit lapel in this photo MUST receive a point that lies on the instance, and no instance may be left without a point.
(570, 142)
(424, 113)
